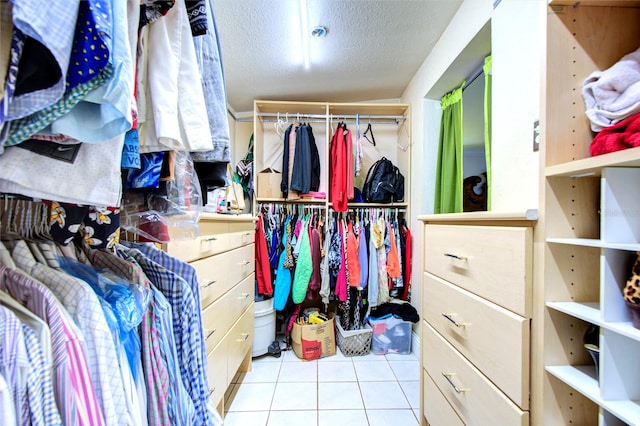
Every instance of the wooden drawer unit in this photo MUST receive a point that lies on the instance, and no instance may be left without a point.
(202, 246)
(492, 338)
(224, 259)
(218, 274)
(475, 399)
(493, 262)
(218, 317)
(240, 341)
(445, 415)
(217, 372)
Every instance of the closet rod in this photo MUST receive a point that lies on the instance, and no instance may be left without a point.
(363, 117)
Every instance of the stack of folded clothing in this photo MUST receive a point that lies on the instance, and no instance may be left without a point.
(613, 95)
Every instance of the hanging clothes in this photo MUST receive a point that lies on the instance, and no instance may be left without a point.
(313, 291)
(353, 257)
(83, 305)
(304, 266)
(72, 385)
(282, 284)
(338, 163)
(263, 272)
(406, 294)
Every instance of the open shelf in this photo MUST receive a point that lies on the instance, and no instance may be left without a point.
(590, 242)
(583, 379)
(586, 311)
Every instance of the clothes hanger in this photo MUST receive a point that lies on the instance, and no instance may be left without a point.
(369, 132)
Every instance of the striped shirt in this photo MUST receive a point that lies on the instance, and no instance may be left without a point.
(154, 367)
(42, 404)
(85, 309)
(73, 389)
(188, 273)
(14, 363)
(187, 330)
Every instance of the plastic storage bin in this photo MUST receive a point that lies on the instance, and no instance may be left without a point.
(390, 335)
(264, 326)
(354, 342)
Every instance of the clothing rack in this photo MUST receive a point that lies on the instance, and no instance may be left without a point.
(272, 117)
(280, 207)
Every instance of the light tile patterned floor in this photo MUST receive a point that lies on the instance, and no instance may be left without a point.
(371, 390)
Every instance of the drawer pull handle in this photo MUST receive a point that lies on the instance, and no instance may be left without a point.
(244, 296)
(208, 240)
(210, 332)
(246, 234)
(243, 337)
(455, 256)
(454, 322)
(209, 284)
(455, 388)
(245, 263)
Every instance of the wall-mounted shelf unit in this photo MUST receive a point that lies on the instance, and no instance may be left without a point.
(391, 125)
(591, 226)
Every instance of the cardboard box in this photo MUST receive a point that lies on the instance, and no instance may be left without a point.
(390, 335)
(269, 183)
(313, 341)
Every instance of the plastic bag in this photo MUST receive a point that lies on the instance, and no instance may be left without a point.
(169, 212)
(124, 304)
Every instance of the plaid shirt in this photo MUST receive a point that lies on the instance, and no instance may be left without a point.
(188, 332)
(188, 273)
(154, 366)
(42, 405)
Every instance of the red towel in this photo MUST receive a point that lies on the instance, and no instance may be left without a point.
(622, 135)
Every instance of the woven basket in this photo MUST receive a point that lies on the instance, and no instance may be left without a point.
(354, 342)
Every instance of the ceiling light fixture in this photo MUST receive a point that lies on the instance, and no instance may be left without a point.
(304, 31)
(318, 32)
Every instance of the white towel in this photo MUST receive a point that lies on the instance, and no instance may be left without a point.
(612, 95)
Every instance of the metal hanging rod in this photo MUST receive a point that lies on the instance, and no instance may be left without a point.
(274, 116)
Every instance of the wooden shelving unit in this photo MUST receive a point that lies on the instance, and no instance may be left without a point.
(391, 124)
(591, 226)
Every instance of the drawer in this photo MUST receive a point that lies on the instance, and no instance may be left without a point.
(494, 262)
(240, 340)
(241, 238)
(218, 274)
(218, 318)
(217, 372)
(197, 248)
(492, 338)
(475, 399)
(437, 410)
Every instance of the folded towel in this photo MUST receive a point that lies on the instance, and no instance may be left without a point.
(612, 95)
(622, 135)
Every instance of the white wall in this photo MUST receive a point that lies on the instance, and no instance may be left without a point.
(516, 38)
(516, 52)
(468, 21)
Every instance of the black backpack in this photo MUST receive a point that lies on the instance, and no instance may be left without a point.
(384, 183)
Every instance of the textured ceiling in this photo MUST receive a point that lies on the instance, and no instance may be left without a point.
(371, 51)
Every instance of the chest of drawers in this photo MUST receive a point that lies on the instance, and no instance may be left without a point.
(476, 319)
(223, 256)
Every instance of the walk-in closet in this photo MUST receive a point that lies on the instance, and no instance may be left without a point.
(319, 212)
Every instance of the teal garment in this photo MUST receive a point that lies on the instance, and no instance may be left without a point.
(282, 284)
(304, 266)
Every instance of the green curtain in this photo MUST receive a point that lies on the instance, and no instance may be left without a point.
(487, 124)
(448, 198)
